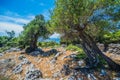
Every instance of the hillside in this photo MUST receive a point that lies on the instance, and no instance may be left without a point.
(18, 65)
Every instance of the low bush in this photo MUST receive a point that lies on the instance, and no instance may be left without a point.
(47, 44)
(80, 55)
(74, 48)
(2, 49)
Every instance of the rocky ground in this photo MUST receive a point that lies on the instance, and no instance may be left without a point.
(55, 64)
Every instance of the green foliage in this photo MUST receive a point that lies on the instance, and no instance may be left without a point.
(80, 55)
(74, 48)
(2, 49)
(48, 44)
(12, 44)
(73, 16)
(33, 30)
(110, 37)
(6, 43)
(101, 63)
(10, 34)
(3, 40)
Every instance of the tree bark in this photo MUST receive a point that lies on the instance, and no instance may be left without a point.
(33, 44)
(92, 51)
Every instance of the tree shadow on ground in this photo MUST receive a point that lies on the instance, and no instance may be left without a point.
(40, 52)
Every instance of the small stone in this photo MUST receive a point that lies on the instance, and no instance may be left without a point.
(80, 63)
(25, 61)
(57, 74)
(35, 53)
(91, 77)
(32, 73)
(71, 78)
(58, 54)
(17, 69)
(65, 70)
(103, 72)
(116, 78)
(1, 54)
(79, 79)
(7, 60)
(21, 57)
(53, 60)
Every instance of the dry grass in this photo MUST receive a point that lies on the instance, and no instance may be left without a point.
(43, 63)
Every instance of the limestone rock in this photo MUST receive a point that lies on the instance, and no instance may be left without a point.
(21, 57)
(66, 70)
(17, 69)
(1, 54)
(32, 73)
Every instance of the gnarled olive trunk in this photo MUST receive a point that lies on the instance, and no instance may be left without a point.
(33, 44)
(92, 51)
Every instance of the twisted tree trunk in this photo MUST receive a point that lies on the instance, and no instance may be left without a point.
(92, 51)
(33, 44)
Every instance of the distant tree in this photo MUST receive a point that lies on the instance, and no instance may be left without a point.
(72, 18)
(11, 34)
(32, 31)
(3, 40)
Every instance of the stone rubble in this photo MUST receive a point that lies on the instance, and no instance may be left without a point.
(1, 54)
(12, 50)
(77, 72)
(21, 57)
(112, 48)
(32, 73)
(17, 69)
(65, 70)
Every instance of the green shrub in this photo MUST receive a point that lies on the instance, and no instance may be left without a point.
(102, 61)
(47, 44)
(11, 44)
(80, 55)
(111, 37)
(74, 48)
(2, 49)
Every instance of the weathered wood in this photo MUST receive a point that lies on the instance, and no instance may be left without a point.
(92, 51)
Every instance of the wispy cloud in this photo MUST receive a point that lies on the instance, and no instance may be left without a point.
(14, 19)
(8, 26)
(7, 12)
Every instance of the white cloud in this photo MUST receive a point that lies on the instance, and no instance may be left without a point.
(55, 35)
(11, 13)
(10, 26)
(14, 19)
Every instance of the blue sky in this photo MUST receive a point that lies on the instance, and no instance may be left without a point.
(15, 13)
